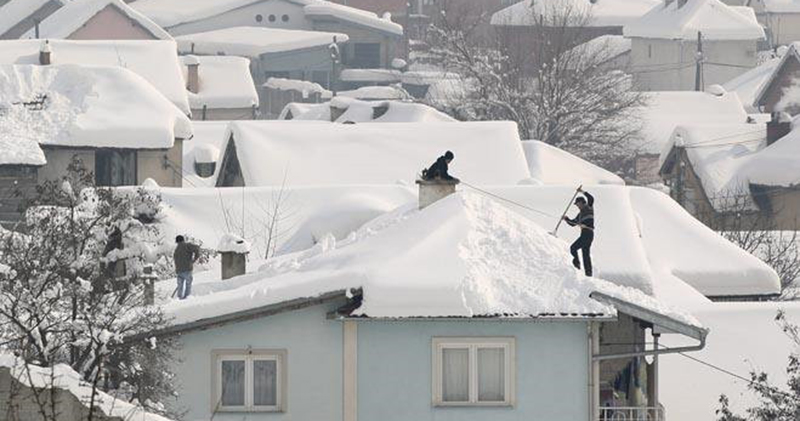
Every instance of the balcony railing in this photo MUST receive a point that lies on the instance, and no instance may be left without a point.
(624, 413)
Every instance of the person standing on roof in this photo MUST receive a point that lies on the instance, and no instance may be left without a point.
(185, 255)
(585, 220)
(439, 169)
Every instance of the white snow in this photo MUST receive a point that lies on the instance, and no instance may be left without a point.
(15, 11)
(363, 111)
(205, 147)
(376, 92)
(63, 377)
(371, 75)
(602, 13)
(225, 82)
(551, 165)
(715, 19)
(252, 42)
(463, 256)
(748, 85)
(76, 13)
(666, 110)
(322, 153)
(233, 243)
(304, 86)
(351, 14)
(155, 61)
(85, 107)
(605, 47)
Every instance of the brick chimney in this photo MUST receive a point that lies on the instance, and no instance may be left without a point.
(45, 53)
(779, 126)
(193, 74)
(234, 250)
(431, 191)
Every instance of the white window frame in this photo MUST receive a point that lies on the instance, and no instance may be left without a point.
(249, 356)
(508, 344)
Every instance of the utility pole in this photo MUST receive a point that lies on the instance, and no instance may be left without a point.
(698, 72)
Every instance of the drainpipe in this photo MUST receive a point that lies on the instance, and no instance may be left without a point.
(593, 333)
(654, 352)
(656, 337)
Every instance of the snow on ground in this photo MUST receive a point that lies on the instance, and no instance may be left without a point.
(359, 111)
(155, 61)
(252, 42)
(679, 21)
(84, 107)
(64, 377)
(551, 165)
(207, 143)
(602, 13)
(225, 82)
(272, 153)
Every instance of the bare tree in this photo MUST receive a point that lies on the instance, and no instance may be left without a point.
(557, 90)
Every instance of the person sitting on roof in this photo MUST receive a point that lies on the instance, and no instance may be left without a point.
(585, 220)
(438, 171)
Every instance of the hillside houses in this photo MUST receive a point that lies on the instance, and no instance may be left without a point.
(664, 50)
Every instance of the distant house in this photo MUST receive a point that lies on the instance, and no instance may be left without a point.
(665, 44)
(737, 176)
(98, 20)
(292, 153)
(667, 110)
(220, 88)
(372, 38)
(19, 16)
(155, 61)
(781, 18)
(780, 92)
(404, 321)
(52, 115)
(344, 109)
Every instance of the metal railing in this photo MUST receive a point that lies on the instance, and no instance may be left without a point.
(624, 413)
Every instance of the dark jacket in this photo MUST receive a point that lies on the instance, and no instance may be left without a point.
(585, 217)
(438, 170)
(185, 255)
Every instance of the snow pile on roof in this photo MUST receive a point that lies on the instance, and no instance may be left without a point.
(365, 111)
(206, 154)
(232, 243)
(271, 153)
(319, 8)
(205, 147)
(62, 376)
(252, 42)
(376, 93)
(304, 86)
(82, 106)
(464, 256)
(73, 15)
(750, 84)
(371, 75)
(666, 110)
(155, 61)
(13, 12)
(551, 165)
(715, 19)
(777, 164)
(601, 13)
(225, 82)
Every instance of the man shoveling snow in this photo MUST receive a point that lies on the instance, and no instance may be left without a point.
(585, 220)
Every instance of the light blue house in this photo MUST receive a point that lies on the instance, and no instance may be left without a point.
(463, 310)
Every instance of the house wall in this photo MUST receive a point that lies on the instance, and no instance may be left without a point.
(669, 65)
(58, 159)
(785, 206)
(395, 378)
(110, 23)
(216, 114)
(389, 46)
(314, 364)
(782, 28)
(26, 24)
(246, 16)
(788, 75)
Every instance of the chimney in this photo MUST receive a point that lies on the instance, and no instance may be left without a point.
(432, 190)
(193, 74)
(234, 250)
(45, 53)
(779, 126)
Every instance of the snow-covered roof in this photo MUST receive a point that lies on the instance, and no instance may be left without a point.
(208, 140)
(790, 95)
(749, 84)
(371, 75)
(13, 12)
(170, 13)
(73, 15)
(478, 258)
(323, 153)
(225, 82)
(777, 164)
(62, 376)
(359, 111)
(715, 19)
(601, 13)
(376, 93)
(551, 165)
(155, 61)
(303, 86)
(605, 47)
(82, 107)
(248, 41)
(666, 110)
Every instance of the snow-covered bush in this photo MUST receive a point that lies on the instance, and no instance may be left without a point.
(72, 290)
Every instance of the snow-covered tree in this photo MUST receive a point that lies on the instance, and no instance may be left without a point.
(558, 90)
(72, 287)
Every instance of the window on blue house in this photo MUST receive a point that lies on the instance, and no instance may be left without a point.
(473, 371)
(249, 381)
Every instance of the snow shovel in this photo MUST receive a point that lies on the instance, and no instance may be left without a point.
(555, 231)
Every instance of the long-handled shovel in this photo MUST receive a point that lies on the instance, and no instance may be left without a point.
(555, 231)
